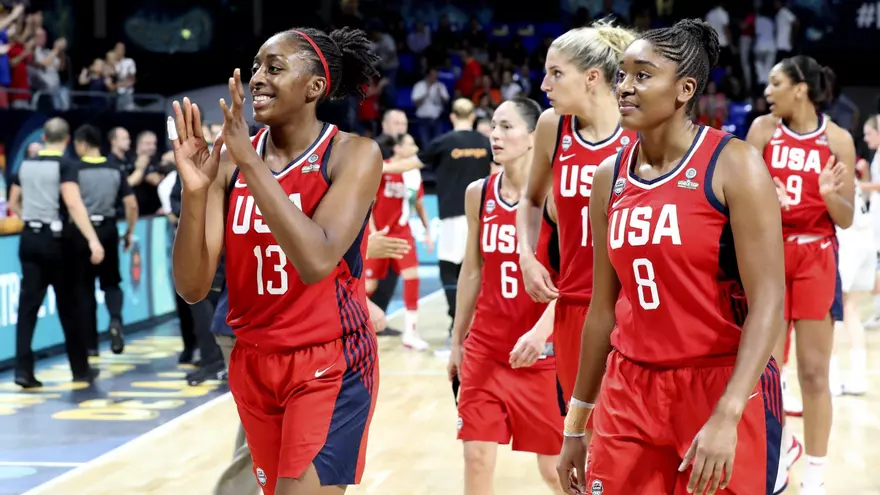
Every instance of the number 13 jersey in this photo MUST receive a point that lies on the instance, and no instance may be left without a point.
(670, 242)
(269, 305)
(574, 163)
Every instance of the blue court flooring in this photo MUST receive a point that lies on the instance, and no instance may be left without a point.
(48, 431)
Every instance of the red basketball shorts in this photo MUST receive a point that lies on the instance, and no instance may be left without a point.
(307, 406)
(377, 268)
(649, 418)
(568, 326)
(812, 282)
(497, 402)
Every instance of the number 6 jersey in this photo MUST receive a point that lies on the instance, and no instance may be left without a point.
(504, 309)
(670, 242)
(269, 305)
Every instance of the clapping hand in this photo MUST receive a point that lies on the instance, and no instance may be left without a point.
(236, 134)
(196, 165)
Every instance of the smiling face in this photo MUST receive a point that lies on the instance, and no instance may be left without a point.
(282, 81)
(649, 91)
(510, 135)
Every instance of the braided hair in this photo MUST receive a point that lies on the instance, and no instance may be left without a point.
(350, 59)
(693, 45)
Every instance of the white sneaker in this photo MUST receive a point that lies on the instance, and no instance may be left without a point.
(411, 340)
(855, 385)
(812, 489)
(788, 458)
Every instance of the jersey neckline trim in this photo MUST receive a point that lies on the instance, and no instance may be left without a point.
(296, 162)
(668, 176)
(593, 146)
(823, 123)
(504, 204)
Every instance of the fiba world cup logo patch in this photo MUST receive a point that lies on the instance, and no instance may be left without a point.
(596, 488)
(261, 476)
(490, 206)
(566, 143)
(312, 166)
(618, 186)
(624, 140)
(459, 424)
(688, 183)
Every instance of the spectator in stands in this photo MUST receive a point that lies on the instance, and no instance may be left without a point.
(429, 97)
(368, 110)
(419, 39)
(484, 108)
(143, 175)
(7, 20)
(97, 78)
(47, 62)
(712, 107)
(509, 88)
(126, 76)
(786, 22)
(20, 54)
(490, 88)
(444, 37)
(386, 48)
(719, 19)
(471, 74)
(746, 43)
(765, 45)
(474, 35)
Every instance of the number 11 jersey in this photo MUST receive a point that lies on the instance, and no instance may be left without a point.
(269, 304)
(670, 242)
(574, 162)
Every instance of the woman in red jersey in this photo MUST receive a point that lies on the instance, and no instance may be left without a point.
(689, 385)
(497, 400)
(291, 219)
(812, 162)
(571, 140)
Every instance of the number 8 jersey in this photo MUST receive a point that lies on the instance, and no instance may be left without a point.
(269, 305)
(504, 309)
(670, 242)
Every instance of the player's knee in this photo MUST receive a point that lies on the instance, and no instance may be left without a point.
(813, 374)
(478, 457)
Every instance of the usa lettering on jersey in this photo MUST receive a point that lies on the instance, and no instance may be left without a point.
(501, 238)
(640, 226)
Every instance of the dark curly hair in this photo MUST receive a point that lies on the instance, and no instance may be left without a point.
(693, 45)
(350, 59)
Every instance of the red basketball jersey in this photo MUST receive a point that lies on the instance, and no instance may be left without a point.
(670, 242)
(268, 302)
(391, 208)
(574, 163)
(547, 251)
(504, 309)
(797, 160)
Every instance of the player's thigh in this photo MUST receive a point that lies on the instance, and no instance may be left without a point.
(533, 408)
(482, 414)
(328, 412)
(759, 431)
(376, 268)
(408, 263)
(815, 288)
(262, 417)
(568, 324)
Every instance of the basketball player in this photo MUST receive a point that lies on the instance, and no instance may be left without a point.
(304, 370)
(812, 162)
(391, 211)
(496, 401)
(690, 383)
(581, 66)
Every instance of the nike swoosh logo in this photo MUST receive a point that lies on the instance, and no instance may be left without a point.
(321, 372)
(239, 183)
(614, 205)
(825, 244)
(562, 158)
(753, 395)
(489, 219)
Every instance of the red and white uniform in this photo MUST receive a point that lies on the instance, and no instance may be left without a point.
(812, 284)
(497, 402)
(670, 242)
(391, 210)
(304, 371)
(574, 163)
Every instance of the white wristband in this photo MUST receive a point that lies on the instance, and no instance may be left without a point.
(581, 404)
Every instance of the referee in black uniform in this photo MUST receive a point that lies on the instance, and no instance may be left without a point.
(45, 258)
(103, 188)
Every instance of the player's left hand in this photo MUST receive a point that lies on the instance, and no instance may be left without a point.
(711, 455)
(528, 349)
(832, 176)
(236, 135)
(429, 242)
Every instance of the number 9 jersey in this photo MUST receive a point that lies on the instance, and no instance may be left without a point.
(670, 242)
(268, 302)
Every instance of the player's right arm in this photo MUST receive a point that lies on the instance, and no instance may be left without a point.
(469, 279)
(760, 133)
(199, 239)
(596, 337)
(536, 278)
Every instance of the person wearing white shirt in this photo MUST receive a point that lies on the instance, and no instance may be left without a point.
(126, 72)
(719, 19)
(429, 97)
(765, 46)
(785, 22)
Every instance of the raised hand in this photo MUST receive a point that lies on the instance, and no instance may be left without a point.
(782, 194)
(235, 130)
(832, 176)
(196, 164)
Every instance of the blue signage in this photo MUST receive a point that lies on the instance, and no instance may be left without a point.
(146, 284)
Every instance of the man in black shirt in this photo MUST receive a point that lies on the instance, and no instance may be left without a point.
(458, 158)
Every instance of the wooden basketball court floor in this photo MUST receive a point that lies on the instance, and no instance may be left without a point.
(412, 447)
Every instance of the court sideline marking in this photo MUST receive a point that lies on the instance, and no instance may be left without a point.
(159, 430)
